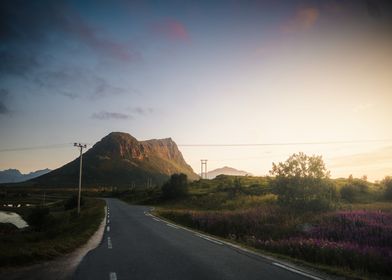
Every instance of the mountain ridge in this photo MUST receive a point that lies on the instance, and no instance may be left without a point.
(119, 159)
(12, 175)
(226, 170)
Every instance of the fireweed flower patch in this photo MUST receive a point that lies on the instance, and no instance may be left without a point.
(355, 239)
(359, 240)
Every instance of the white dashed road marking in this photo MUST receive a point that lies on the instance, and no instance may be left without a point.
(172, 226)
(108, 228)
(110, 246)
(155, 219)
(112, 276)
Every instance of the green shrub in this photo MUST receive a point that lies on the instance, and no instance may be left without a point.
(348, 193)
(354, 191)
(176, 187)
(39, 218)
(387, 185)
(72, 202)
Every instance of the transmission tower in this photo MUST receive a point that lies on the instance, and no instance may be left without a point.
(203, 172)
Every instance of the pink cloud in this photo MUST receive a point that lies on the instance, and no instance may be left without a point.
(171, 30)
(304, 19)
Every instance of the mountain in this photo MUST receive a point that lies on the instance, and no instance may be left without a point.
(15, 176)
(121, 160)
(226, 171)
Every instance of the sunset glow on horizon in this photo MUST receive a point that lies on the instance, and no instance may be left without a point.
(200, 72)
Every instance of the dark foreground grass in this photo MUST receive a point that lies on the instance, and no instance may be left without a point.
(65, 232)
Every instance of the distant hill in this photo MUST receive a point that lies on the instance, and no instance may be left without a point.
(226, 171)
(15, 176)
(121, 160)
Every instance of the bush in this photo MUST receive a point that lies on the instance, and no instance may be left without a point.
(387, 184)
(176, 187)
(39, 218)
(354, 191)
(72, 202)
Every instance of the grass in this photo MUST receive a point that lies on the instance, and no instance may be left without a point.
(248, 213)
(64, 232)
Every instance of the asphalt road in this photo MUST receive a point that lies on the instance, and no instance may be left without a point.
(135, 245)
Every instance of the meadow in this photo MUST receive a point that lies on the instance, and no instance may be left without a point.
(352, 237)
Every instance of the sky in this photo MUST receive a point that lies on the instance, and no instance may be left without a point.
(292, 73)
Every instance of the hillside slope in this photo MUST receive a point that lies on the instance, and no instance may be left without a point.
(121, 160)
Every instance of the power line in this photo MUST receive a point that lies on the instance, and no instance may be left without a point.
(44, 147)
(285, 143)
(66, 145)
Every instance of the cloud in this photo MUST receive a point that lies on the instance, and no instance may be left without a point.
(3, 108)
(171, 29)
(303, 20)
(373, 9)
(362, 107)
(17, 63)
(378, 157)
(26, 27)
(141, 111)
(375, 164)
(104, 88)
(76, 82)
(104, 115)
(96, 40)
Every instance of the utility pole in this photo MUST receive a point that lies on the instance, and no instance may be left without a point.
(80, 146)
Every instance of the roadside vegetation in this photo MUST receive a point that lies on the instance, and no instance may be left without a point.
(341, 225)
(54, 227)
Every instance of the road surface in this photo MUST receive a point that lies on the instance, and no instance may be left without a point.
(137, 246)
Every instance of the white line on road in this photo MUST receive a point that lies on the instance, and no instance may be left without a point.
(110, 246)
(172, 226)
(108, 228)
(108, 221)
(297, 271)
(155, 219)
(209, 239)
(112, 276)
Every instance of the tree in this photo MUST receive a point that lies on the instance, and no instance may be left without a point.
(387, 185)
(176, 187)
(302, 182)
(355, 190)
